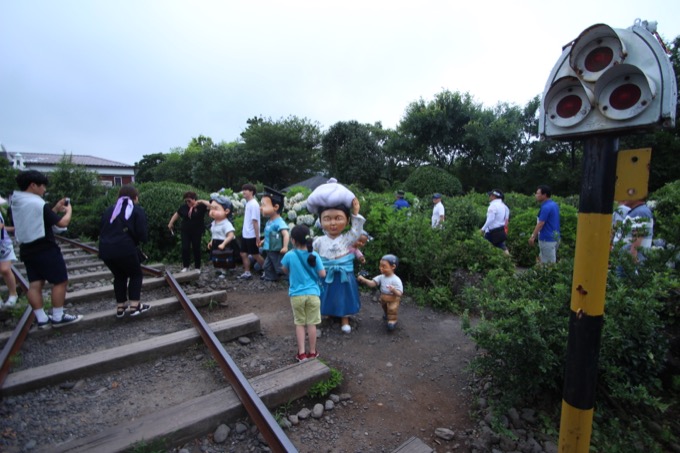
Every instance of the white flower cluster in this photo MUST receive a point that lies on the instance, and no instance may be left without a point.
(307, 219)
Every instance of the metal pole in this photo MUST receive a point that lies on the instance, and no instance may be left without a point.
(588, 292)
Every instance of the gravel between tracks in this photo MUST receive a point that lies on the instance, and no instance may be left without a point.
(411, 382)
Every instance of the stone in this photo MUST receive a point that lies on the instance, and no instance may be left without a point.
(221, 434)
(244, 341)
(345, 396)
(444, 433)
(304, 413)
(335, 398)
(529, 415)
(294, 419)
(240, 428)
(550, 447)
(329, 406)
(317, 411)
(514, 417)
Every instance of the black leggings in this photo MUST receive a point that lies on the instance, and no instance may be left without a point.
(191, 239)
(127, 277)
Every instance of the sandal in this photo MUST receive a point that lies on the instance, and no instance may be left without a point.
(120, 311)
(136, 310)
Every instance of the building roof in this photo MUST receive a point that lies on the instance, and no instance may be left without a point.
(54, 159)
(311, 183)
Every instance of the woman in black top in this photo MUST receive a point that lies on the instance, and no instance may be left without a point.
(123, 227)
(192, 212)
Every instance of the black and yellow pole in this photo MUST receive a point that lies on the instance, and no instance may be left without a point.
(607, 175)
(588, 292)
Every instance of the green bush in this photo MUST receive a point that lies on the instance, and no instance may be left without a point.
(160, 201)
(424, 181)
(523, 335)
(666, 213)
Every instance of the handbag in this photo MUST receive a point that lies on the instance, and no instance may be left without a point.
(275, 241)
(142, 256)
(223, 259)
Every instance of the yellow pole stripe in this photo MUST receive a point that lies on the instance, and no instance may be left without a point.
(576, 427)
(591, 263)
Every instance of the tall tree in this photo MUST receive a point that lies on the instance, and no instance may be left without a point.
(279, 153)
(147, 167)
(353, 153)
(437, 128)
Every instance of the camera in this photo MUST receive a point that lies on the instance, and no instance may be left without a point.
(67, 201)
(363, 273)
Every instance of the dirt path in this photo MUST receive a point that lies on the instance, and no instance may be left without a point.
(402, 384)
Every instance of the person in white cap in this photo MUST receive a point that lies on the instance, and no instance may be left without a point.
(497, 215)
(438, 211)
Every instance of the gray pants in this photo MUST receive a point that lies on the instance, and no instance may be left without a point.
(548, 251)
(272, 266)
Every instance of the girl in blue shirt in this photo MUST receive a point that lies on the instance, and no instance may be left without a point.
(304, 269)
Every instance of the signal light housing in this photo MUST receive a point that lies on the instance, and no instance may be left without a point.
(609, 81)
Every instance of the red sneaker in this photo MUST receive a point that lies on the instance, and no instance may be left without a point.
(313, 355)
(301, 357)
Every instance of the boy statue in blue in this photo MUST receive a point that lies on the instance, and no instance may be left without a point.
(275, 241)
(332, 202)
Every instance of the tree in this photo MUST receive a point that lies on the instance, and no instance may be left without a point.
(353, 153)
(146, 167)
(218, 166)
(74, 181)
(280, 152)
(7, 177)
(436, 130)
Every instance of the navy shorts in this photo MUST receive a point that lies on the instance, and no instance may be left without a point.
(249, 246)
(47, 265)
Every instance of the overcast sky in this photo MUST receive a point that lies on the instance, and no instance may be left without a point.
(119, 79)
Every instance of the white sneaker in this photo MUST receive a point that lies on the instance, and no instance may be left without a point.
(186, 269)
(346, 328)
(11, 301)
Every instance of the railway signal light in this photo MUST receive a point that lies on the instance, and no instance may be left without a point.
(610, 81)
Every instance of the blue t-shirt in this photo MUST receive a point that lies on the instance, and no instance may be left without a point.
(550, 214)
(300, 273)
(273, 226)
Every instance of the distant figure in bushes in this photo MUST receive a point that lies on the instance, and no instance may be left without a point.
(497, 215)
(401, 202)
(304, 268)
(547, 229)
(438, 211)
(192, 212)
(391, 289)
(332, 202)
(33, 222)
(123, 228)
(638, 228)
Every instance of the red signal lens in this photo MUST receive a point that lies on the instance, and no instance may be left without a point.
(569, 106)
(598, 59)
(625, 96)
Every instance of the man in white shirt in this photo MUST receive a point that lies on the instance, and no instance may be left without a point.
(497, 216)
(437, 211)
(251, 231)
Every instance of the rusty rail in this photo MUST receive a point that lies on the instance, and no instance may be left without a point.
(258, 412)
(271, 431)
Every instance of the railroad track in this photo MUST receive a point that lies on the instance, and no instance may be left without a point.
(101, 384)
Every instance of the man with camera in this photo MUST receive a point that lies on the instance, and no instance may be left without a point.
(33, 222)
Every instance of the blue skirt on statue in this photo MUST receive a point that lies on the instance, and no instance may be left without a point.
(340, 295)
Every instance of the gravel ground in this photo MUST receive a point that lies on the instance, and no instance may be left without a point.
(413, 382)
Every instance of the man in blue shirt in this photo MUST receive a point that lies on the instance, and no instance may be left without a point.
(547, 226)
(400, 202)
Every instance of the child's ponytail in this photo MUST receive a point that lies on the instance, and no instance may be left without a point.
(311, 258)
